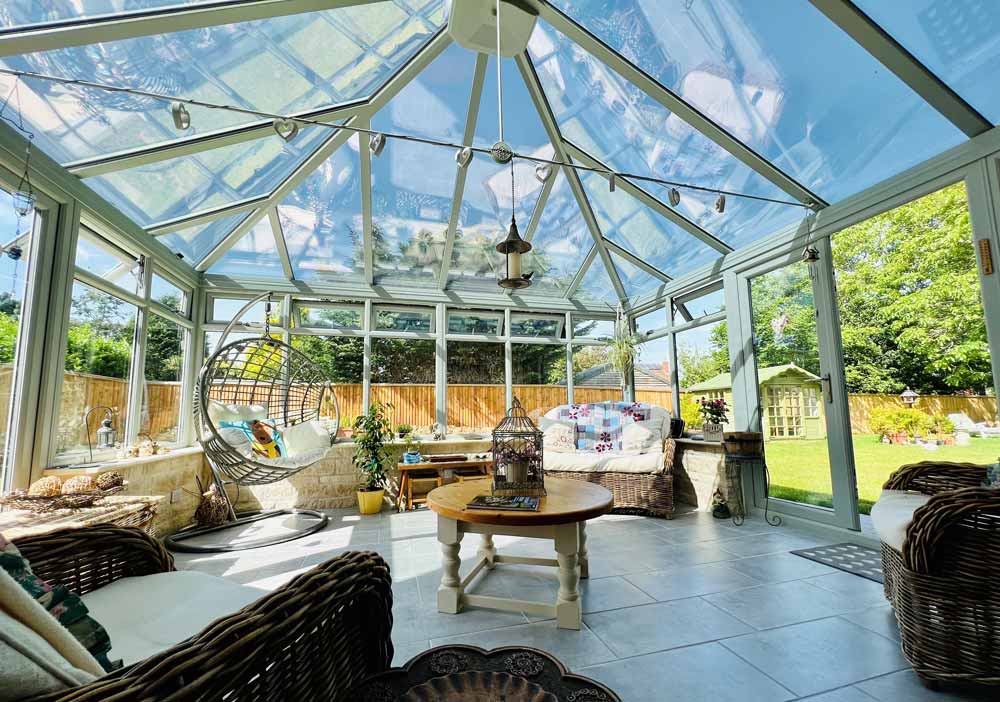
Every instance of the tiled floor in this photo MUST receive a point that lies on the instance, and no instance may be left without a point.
(685, 610)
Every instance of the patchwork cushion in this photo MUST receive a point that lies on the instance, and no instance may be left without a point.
(599, 424)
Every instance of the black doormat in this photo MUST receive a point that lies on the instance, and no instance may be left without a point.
(850, 558)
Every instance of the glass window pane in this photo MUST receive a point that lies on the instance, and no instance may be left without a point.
(277, 65)
(533, 325)
(343, 360)
(321, 220)
(403, 376)
(19, 14)
(703, 370)
(212, 339)
(107, 261)
(651, 321)
(539, 377)
(561, 241)
(98, 357)
(700, 306)
(475, 386)
(224, 309)
(193, 243)
(652, 374)
(472, 323)
(792, 85)
(596, 286)
(169, 295)
(165, 342)
(602, 329)
(416, 320)
(329, 316)
(594, 380)
(958, 40)
(636, 281)
(626, 129)
(253, 256)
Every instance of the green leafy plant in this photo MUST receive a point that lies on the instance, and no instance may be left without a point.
(941, 425)
(713, 411)
(622, 348)
(403, 430)
(371, 432)
(411, 444)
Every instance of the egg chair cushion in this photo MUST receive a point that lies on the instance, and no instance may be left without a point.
(222, 412)
(305, 437)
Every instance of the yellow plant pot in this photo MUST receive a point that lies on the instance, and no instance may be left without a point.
(370, 501)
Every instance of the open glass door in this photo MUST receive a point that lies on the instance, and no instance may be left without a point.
(800, 410)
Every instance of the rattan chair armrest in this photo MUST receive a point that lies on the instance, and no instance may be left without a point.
(932, 477)
(931, 526)
(315, 638)
(669, 451)
(87, 558)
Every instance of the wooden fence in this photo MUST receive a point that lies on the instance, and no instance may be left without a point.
(979, 408)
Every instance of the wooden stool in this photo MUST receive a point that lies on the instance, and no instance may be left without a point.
(428, 479)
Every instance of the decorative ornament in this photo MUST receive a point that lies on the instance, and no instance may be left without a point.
(524, 664)
(543, 171)
(720, 509)
(213, 509)
(501, 152)
(109, 480)
(448, 662)
(79, 483)
(14, 253)
(287, 129)
(180, 115)
(517, 455)
(587, 694)
(48, 486)
(779, 324)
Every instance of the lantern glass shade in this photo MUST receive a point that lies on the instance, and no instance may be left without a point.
(517, 455)
(909, 397)
(512, 247)
(107, 437)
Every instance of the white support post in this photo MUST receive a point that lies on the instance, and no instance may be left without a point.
(194, 357)
(280, 243)
(367, 231)
(366, 380)
(569, 357)
(137, 398)
(508, 362)
(441, 366)
(739, 322)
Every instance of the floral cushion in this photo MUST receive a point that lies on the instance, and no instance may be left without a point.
(63, 604)
(599, 424)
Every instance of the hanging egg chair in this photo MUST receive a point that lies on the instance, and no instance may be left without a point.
(260, 384)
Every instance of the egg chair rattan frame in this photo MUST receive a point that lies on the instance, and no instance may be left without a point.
(262, 371)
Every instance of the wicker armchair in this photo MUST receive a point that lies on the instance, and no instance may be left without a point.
(943, 585)
(313, 639)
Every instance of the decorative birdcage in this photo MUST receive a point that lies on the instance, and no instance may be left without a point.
(517, 455)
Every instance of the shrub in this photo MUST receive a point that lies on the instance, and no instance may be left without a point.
(940, 424)
(892, 420)
(880, 421)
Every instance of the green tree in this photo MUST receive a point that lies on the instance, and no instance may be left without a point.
(698, 364)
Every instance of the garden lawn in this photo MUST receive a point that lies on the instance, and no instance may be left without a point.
(800, 470)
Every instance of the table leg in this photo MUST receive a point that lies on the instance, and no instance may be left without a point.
(402, 491)
(488, 551)
(450, 591)
(584, 556)
(568, 609)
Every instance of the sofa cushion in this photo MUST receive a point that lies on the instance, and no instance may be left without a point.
(558, 436)
(149, 614)
(613, 462)
(305, 437)
(892, 514)
(642, 437)
(599, 424)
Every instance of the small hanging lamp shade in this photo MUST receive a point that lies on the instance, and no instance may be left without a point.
(512, 247)
(909, 397)
(517, 455)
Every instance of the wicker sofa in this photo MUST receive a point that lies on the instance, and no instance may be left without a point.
(942, 579)
(313, 639)
(641, 484)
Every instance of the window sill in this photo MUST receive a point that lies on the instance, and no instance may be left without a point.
(123, 462)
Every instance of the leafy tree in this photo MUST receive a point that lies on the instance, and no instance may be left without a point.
(8, 337)
(699, 364)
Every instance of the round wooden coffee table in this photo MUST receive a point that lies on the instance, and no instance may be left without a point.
(562, 516)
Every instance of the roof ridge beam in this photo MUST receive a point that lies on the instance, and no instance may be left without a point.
(652, 202)
(140, 23)
(197, 143)
(904, 65)
(548, 118)
(671, 101)
(209, 214)
(636, 261)
(462, 172)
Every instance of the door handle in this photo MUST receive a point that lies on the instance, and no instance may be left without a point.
(827, 386)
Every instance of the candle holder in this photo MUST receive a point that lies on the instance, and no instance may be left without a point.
(517, 455)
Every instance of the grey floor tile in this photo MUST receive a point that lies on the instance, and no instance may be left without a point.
(905, 685)
(762, 544)
(428, 623)
(844, 694)
(779, 604)
(778, 567)
(403, 652)
(705, 672)
(574, 648)
(602, 594)
(691, 581)
(818, 656)
(881, 620)
(657, 627)
(861, 590)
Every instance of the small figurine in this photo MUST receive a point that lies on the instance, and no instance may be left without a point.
(437, 431)
(720, 509)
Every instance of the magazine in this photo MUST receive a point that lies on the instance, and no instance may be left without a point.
(504, 502)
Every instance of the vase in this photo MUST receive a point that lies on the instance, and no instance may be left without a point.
(411, 457)
(370, 501)
(711, 432)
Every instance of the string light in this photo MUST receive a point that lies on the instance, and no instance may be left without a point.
(182, 118)
(377, 143)
(675, 197)
(463, 157)
(720, 204)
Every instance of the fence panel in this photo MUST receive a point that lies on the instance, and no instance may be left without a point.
(979, 408)
(411, 404)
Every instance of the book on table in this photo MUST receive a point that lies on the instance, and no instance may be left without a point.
(520, 503)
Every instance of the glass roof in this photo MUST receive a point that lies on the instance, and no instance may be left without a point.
(792, 86)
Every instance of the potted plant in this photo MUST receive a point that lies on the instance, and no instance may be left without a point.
(944, 429)
(402, 430)
(371, 432)
(713, 415)
(622, 350)
(411, 449)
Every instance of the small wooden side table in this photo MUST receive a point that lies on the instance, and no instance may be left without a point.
(120, 510)
(406, 481)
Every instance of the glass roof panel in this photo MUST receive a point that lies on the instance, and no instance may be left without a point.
(633, 226)
(596, 286)
(253, 256)
(561, 241)
(486, 205)
(636, 281)
(321, 220)
(194, 242)
(20, 14)
(623, 127)
(959, 40)
(412, 183)
(281, 64)
(179, 186)
(792, 85)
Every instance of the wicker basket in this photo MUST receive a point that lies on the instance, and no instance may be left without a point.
(20, 499)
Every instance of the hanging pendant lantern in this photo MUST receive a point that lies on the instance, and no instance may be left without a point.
(512, 247)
